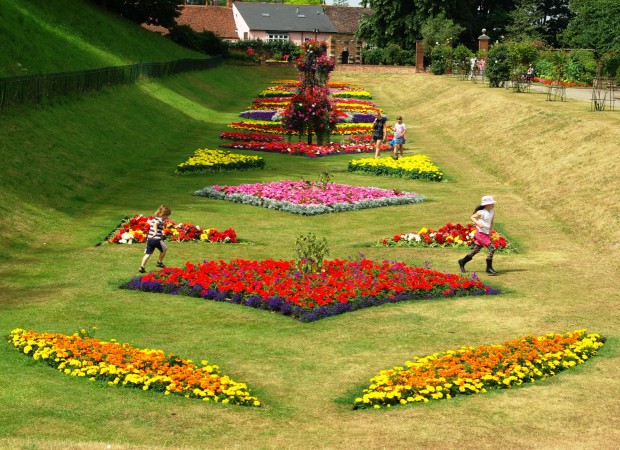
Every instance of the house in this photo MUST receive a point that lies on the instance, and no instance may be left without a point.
(217, 19)
(277, 21)
(344, 47)
(336, 25)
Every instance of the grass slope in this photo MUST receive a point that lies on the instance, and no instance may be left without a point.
(73, 170)
(66, 35)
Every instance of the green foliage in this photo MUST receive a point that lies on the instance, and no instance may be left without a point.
(373, 56)
(152, 12)
(310, 252)
(439, 30)
(266, 49)
(544, 69)
(461, 57)
(204, 41)
(441, 59)
(595, 25)
(581, 67)
(498, 67)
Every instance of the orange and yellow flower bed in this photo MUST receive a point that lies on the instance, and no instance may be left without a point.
(119, 364)
(474, 370)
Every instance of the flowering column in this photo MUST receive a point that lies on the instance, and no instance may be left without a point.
(310, 110)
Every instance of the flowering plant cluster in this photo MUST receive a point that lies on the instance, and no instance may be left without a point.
(261, 126)
(353, 94)
(80, 355)
(274, 92)
(313, 63)
(136, 229)
(250, 136)
(450, 235)
(341, 286)
(310, 111)
(561, 83)
(350, 104)
(207, 161)
(271, 102)
(473, 370)
(415, 167)
(303, 149)
(260, 114)
(310, 198)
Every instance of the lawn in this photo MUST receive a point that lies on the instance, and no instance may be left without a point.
(72, 171)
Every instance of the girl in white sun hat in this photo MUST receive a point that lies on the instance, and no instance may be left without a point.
(484, 216)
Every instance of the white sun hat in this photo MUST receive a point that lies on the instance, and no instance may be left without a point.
(487, 200)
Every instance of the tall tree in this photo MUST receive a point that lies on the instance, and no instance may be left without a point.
(595, 25)
(400, 21)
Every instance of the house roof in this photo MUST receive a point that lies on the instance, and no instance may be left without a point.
(284, 17)
(217, 19)
(346, 19)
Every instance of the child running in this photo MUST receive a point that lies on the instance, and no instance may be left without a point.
(155, 238)
(484, 216)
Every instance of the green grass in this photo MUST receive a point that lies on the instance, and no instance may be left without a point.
(68, 35)
(71, 171)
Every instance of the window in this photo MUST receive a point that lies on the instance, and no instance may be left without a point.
(277, 37)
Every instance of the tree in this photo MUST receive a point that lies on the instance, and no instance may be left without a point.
(340, 3)
(525, 21)
(439, 30)
(151, 12)
(594, 26)
(400, 21)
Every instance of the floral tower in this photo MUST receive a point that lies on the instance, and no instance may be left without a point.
(310, 111)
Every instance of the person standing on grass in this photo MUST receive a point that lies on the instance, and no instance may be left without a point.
(484, 217)
(379, 132)
(155, 239)
(399, 137)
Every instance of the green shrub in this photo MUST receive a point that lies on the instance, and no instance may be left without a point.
(461, 57)
(498, 65)
(373, 56)
(544, 69)
(310, 253)
(441, 59)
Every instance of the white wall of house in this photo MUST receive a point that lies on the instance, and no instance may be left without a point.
(243, 30)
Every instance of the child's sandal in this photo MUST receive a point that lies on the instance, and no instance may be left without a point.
(160, 264)
(142, 270)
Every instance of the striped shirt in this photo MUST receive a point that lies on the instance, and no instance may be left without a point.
(157, 228)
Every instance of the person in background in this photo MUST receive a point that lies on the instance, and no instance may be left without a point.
(481, 65)
(379, 132)
(155, 239)
(399, 137)
(484, 217)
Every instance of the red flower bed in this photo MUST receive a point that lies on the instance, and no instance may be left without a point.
(303, 149)
(250, 136)
(136, 229)
(450, 235)
(340, 287)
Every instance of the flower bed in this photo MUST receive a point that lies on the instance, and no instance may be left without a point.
(342, 286)
(310, 198)
(136, 230)
(414, 167)
(80, 355)
(207, 161)
(473, 370)
(450, 235)
(250, 136)
(304, 149)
